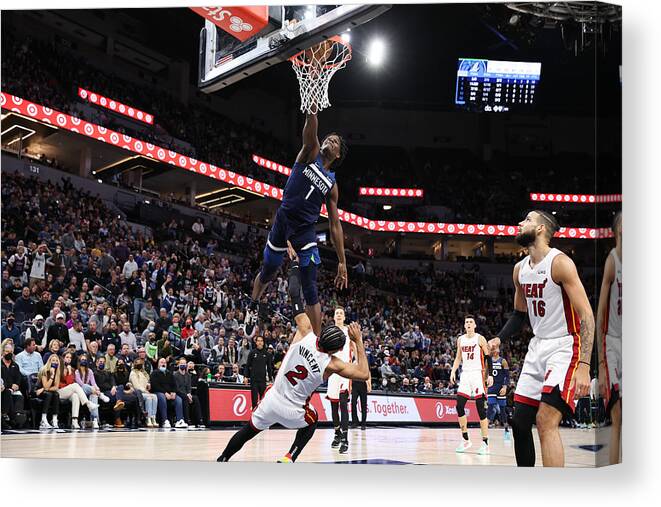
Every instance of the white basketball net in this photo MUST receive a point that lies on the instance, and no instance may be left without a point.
(315, 68)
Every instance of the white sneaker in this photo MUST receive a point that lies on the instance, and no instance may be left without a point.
(166, 424)
(44, 425)
(181, 424)
(74, 424)
(55, 425)
(95, 424)
(464, 446)
(484, 449)
(104, 398)
(92, 406)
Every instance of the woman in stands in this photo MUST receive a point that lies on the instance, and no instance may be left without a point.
(48, 383)
(139, 378)
(85, 379)
(70, 389)
(53, 349)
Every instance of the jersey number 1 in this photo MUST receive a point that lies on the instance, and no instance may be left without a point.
(298, 373)
(309, 192)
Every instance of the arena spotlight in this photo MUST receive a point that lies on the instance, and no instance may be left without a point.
(387, 207)
(376, 52)
(346, 37)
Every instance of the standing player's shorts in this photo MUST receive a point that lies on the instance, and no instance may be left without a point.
(274, 409)
(302, 236)
(549, 363)
(337, 385)
(471, 384)
(613, 368)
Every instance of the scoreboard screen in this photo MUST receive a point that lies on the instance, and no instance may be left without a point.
(496, 86)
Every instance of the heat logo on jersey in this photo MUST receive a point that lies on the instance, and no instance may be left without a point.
(535, 292)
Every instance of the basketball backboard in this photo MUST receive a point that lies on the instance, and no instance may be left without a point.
(224, 59)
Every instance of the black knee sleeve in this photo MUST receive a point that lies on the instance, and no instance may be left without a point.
(481, 407)
(461, 406)
(524, 445)
(237, 441)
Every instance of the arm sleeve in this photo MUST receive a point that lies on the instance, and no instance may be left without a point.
(513, 325)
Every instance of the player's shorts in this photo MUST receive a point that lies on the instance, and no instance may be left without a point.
(337, 385)
(471, 384)
(613, 368)
(549, 363)
(494, 399)
(302, 236)
(274, 409)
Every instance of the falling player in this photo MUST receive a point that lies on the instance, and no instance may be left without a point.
(609, 320)
(497, 392)
(338, 391)
(471, 350)
(310, 184)
(306, 365)
(556, 369)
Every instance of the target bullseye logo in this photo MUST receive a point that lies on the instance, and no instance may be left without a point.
(239, 405)
(238, 25)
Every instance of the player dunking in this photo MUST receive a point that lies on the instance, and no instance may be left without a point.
(308, 362)
(310, 184)
(556, 370)
(471, 350)
(609, 320)
(338, 391)
(497, 392)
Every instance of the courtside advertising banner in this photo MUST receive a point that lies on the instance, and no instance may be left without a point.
(228, 405)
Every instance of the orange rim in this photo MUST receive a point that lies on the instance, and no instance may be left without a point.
(299, 62)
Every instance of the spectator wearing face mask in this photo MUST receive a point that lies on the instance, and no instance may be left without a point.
(48, 383)
(105, 380)
(183, 385)
(163, 386)
(70, 390)
(37, 332)
(12, 398)
(139, 379)
(10, 329)
(84, 377)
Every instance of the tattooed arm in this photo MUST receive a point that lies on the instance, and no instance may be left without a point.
(564, 273)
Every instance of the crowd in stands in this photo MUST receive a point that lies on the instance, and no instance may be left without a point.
(459, 186)
(91, 301)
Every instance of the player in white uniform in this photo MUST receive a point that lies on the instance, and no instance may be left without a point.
(338, 391)
(308, 362)
(609, 323)
(471, 350)
(556, 370)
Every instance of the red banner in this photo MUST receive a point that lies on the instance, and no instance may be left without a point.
(239, 22)
(233, 404)
(117, 107)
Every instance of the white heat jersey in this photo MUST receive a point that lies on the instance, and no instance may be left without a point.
(550, 312)
(471, 353)
(345, 353)
(302, 371)
(614, 321)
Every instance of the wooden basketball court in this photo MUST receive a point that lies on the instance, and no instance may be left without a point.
(376, 445)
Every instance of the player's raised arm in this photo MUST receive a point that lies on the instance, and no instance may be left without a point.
(303, 324)
(310, 148)
(337, 236)
(518, 318)
(354, 371)
(564, 273)
(456, 363)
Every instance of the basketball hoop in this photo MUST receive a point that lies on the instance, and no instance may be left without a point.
(314, 69)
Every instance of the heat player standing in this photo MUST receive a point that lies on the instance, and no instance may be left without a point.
(471, 351)
(310, 184)
(609, 318)
(308, 362)
(556, 369)
(339, 389)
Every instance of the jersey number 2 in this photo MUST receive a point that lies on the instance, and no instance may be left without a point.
(298, 373)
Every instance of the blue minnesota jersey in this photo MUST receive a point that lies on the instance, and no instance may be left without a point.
(308, 187)
(500, 376)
